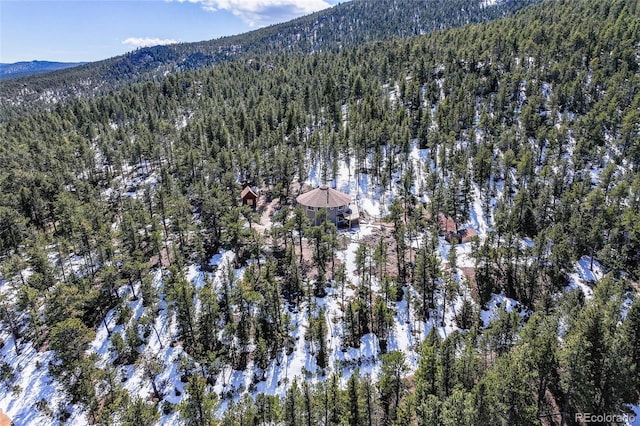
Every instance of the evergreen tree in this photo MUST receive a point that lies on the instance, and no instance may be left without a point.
(630, 337)
(353, 408)
(391, 384)
(291, 408)
(138, 412)
(198, 406)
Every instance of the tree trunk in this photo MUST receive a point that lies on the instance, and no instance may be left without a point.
(155, 390)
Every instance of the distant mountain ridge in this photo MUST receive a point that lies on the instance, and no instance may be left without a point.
(343, 26)
(25, 69)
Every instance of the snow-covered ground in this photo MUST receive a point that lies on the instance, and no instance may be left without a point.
(33, 390)
(584, 276)
(497, 302)
(33, 383)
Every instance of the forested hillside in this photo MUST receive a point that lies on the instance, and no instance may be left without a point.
(23, 69)
(342, 26)
(136, 289)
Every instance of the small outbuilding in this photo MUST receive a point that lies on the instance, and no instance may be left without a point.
(450, 230)
(249, 197)
(335, 202)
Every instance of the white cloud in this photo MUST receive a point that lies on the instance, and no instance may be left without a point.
(148, 41)
(263, 12)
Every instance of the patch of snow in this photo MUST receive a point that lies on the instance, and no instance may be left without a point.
(583, 277)
(32, 384)
(371, 207)
(583, 268)
(498, 301)
(488, 3)
(634, 420)
(575, 282)
(626, 305)
(528, 242)
(477, 218)
(215, 259)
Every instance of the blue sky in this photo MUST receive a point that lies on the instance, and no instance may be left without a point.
(78, 30)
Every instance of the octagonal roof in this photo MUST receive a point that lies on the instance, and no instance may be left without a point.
(323, 196)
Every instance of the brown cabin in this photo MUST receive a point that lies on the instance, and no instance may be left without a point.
(450, 230)
(465, 235)
(249, 197)
(446, 224)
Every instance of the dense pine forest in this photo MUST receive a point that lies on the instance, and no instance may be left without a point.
(343, 26)
(137, 289)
